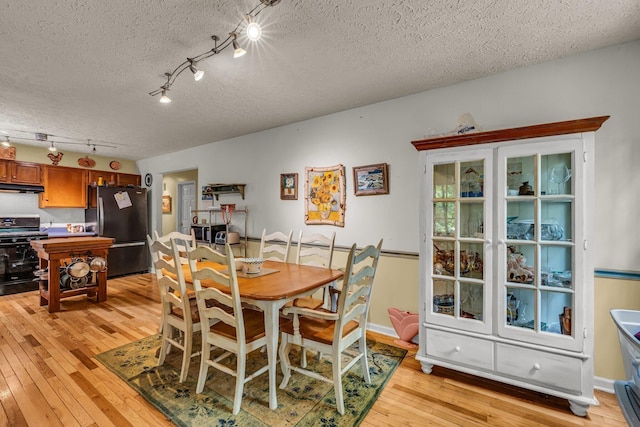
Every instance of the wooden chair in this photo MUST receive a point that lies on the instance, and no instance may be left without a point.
(334, 333)
(315, 250)
(236, 330)
(275, 246)
(183, 240)
(180, 317)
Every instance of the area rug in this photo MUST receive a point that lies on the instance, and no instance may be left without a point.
(305, 401)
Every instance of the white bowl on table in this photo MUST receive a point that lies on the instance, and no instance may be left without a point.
(252, 265)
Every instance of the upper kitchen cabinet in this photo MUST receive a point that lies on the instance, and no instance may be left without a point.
(64, 188)
(124, 179)
(20, 172)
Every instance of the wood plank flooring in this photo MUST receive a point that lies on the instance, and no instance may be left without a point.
(49, 377)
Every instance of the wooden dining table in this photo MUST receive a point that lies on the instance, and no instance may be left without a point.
(270, 291)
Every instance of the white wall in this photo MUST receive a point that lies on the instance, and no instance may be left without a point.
(602, 82)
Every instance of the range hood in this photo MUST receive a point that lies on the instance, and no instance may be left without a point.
(21, 188)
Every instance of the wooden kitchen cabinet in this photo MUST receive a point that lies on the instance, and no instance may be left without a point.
(124, 179)
(20, 172)
(64, 188)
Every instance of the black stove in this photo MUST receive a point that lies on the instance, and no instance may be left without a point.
(18, 260)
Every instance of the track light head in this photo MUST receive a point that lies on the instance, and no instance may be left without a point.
(253, 30)
(197, 74)
(6, 143)
(52, 147)
(164, 98)
(237, 50)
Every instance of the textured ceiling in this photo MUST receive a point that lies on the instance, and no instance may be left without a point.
(83, 69)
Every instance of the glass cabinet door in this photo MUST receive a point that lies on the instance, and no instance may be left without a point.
(537, 243)
(460, 208)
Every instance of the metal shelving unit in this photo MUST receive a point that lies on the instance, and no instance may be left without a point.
(215, 218)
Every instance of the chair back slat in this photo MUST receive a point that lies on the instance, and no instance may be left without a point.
(315, 249)
(275, 246)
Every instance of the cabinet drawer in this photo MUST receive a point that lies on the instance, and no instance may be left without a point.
(473, 352)
(536, 366)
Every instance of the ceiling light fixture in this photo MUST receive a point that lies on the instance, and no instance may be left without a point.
(237, 50)
(252, 30)
(197, 74)
(6, 143)
(52, 147)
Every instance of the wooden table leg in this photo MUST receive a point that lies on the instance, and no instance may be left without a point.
(54, 286)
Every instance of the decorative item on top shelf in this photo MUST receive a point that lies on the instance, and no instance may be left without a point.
(289, 186)
(325, 199)
(86, 162)
(55, 158)
(371, 179)
(217, 189)
(115, 165)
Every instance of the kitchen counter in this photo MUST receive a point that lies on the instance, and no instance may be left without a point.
(54, 232)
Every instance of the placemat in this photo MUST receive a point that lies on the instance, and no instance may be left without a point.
(263, 272)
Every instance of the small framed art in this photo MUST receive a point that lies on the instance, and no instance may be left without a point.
(166, 204)
(371, 179)
(289, 186)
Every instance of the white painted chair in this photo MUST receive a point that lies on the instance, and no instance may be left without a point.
(275, 246)
(315, 250)
(334, 333)
(184, 241)
(234, 329)
(180, 317)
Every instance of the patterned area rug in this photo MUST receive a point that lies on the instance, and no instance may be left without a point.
(305, 401)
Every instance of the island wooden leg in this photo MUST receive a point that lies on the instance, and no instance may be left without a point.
(102, 286)
(54, 286)
(43, 263)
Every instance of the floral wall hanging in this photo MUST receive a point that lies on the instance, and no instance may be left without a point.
(324, 197)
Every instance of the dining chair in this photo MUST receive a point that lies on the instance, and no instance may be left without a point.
(275, 246)
(333, 334)
(183, 240)
(233, 328)
(315, 250)
(180, 317)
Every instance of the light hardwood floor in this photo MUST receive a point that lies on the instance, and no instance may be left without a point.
(49, 377)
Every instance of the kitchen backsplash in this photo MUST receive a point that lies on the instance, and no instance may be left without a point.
(27, 204)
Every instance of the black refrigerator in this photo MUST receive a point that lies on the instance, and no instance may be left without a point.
(121, 213)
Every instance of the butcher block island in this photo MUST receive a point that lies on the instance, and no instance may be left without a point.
(72, 266)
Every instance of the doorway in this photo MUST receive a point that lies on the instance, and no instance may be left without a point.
(187, 202)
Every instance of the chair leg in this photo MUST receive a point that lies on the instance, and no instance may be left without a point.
(363, 360)
(303, 357)
(164, 348)
(204, 366)
(337, 379)
(186, 356)
(285, 364)
(241, 366)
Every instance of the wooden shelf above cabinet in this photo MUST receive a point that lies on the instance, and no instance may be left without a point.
(217, 189)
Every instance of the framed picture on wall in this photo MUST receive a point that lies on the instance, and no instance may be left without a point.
(324, 198)
(166, 204)
(289, 186)
(371, 179)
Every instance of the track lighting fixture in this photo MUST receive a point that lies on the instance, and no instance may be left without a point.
(52, 147)
(197, 74)
(253, 32)
(237, 50)
(6, 143)
(19, 135)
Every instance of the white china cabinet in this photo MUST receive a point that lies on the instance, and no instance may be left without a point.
(506, 274)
